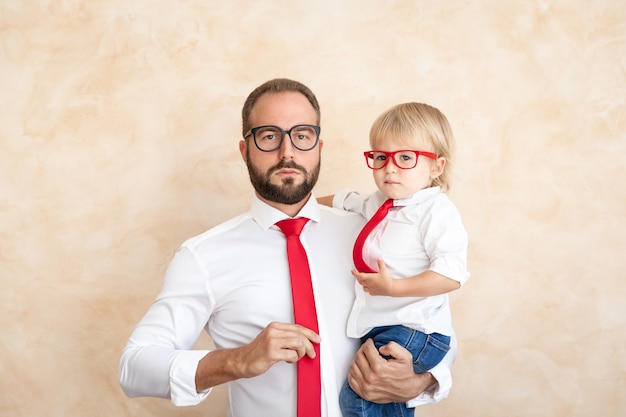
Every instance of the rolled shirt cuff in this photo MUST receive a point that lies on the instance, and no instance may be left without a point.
(183, 379)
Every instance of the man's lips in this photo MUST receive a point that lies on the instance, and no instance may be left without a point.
(287, 172)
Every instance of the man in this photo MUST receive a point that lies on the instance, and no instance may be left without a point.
(233, 281)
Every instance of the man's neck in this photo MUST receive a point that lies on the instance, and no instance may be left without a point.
(289, 209)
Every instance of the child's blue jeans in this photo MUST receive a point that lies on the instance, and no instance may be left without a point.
(427, 349)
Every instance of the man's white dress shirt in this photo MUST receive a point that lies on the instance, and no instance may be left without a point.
(232, 281)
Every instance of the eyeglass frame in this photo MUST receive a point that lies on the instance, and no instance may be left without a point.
(391, 156)
(253, 131)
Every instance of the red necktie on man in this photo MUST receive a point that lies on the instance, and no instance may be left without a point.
(309, 374)
(357, 252)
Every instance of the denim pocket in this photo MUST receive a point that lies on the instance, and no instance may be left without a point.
(432, 353)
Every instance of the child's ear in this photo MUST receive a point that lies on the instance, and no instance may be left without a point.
(437, 167)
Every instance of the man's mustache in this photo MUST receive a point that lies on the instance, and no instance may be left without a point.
(288, 164)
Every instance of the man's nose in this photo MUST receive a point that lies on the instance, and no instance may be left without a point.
(286, 147)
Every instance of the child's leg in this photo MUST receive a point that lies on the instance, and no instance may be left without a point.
(427, 349)
(430, 349)
(396, 410)
(354, 406)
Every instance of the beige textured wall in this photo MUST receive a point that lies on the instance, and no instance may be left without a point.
(119, 123)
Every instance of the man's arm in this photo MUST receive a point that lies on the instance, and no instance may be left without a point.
(159, 359)
(277, 342)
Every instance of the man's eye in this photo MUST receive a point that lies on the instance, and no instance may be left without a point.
(302, 134)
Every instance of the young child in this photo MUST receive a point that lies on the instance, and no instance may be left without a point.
(407, 263)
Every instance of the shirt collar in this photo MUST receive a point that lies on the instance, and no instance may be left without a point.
(418, 197)
(266, 216)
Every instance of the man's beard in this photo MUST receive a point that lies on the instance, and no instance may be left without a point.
(287, 192)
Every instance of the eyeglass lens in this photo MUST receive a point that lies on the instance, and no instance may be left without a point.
(269, 138)
(404, 160)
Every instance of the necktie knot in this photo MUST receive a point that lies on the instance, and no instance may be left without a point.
(292, 227)
(387, 205)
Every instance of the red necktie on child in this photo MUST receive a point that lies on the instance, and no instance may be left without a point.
(309, 377)
(357, 252)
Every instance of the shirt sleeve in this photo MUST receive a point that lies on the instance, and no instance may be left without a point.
(446, 241)
(442, 374)
(159, 360)
(348, 200)
(352, 201)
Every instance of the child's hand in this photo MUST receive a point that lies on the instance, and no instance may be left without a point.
(380, 283)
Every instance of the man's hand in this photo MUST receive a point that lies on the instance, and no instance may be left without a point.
(277, 342)
(382, 380)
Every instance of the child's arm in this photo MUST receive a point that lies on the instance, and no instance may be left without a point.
(326, 200)
(352, 201)
(426, 284)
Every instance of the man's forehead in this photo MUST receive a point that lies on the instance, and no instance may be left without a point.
(284, 107)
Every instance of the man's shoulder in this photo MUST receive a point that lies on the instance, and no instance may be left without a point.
(220, 231)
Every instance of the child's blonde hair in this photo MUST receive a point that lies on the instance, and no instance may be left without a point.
(407, 122)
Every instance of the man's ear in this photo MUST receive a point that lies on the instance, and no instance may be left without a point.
(242, 149)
